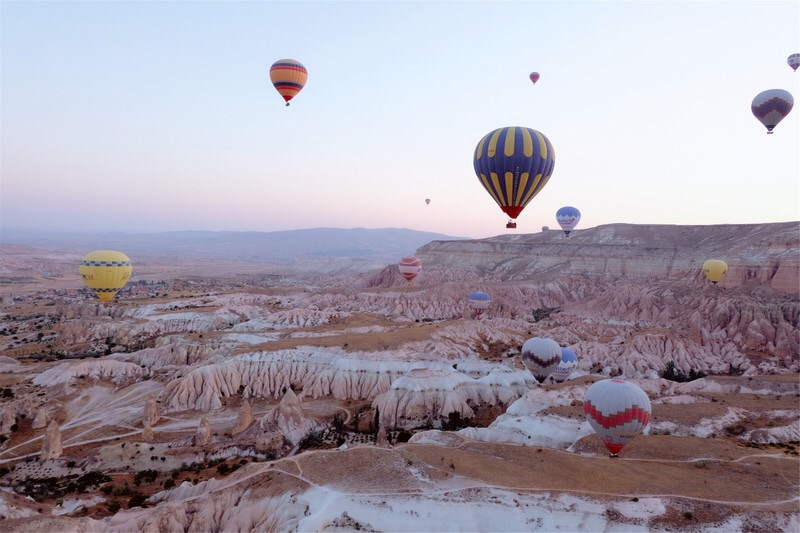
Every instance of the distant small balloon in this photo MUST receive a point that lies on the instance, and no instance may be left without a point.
(568, 217)
(545, 228)
(534, 77)
(409, 267)
(289, 76)
(105, 272)
(428, 201)
(715, 270)
(478, 303)
(794, 61)
(772, 106)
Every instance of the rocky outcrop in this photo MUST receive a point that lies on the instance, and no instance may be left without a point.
(51, 442)
(150, 416)
(115, 371)
(244, 418)
(766, 253)
(427, 396)
(40, 420)
(203, 433)
(287, 418)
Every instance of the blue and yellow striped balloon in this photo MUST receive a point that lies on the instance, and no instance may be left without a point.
(289, 76)
(513, 164)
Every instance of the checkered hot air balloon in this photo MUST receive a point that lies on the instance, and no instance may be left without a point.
(772, 106)
(794, 61)
(106, 272)
(409, 267)
(289, 77)
(617, 410)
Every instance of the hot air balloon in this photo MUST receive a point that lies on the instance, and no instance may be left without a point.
(568, 217)
(541, 356)
(409, 267)
(545, 228)
(794, 61)
(715, 269)
(568, 363)
(534, 77)
(427, 201)
(513, 164)
(106, 272)
(478, 303)
(772, 106)
(617, 410)
(288, 76)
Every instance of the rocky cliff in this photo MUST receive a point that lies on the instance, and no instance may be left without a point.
(766, 253)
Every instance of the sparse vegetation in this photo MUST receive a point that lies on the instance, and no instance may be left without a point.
(673, 374)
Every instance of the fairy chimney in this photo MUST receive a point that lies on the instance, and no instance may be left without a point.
(40, 420)
(51, 443)
(244, 419)
(150, 417)
(203, 432)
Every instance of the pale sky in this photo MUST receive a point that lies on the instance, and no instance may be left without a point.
(160, 116)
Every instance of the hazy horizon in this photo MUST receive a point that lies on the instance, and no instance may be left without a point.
(160, 116)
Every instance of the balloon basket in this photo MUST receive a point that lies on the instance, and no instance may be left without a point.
(613, 456)
(511, 225)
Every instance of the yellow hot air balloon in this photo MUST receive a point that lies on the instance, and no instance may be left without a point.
(106, 272)
(715, 270)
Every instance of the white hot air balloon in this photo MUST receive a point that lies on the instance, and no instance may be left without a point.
(541, 356)
(617, 410)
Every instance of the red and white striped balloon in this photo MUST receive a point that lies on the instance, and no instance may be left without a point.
(618, 410)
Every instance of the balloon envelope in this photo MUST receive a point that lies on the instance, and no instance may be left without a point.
(479, 302)
(541, 356)
(617, 410)
(534, 77)
(289, 76)
(794, 61)
(513, 164)
(105, 272)
(409, 267)
(568, 363)
(772, 106)
(715, 270)
(568, 217)
(427, 200)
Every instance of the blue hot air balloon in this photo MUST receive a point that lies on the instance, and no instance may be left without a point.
(513, 164)
(569, 362)
(568, 217)
(478, 303)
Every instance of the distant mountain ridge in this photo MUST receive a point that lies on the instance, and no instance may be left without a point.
(382, 244)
